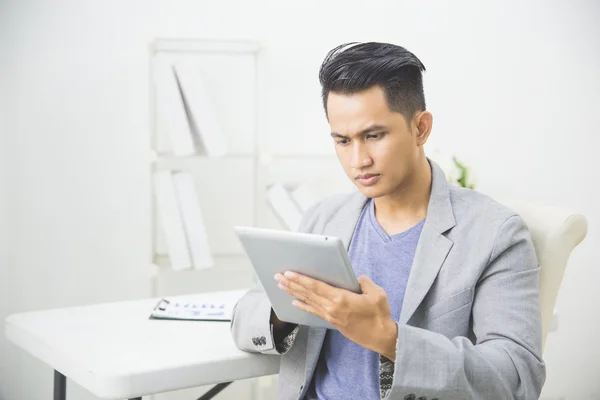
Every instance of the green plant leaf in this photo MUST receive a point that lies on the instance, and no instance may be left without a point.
(462, 181)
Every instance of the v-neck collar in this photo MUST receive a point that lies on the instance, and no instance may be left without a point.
(382, 233)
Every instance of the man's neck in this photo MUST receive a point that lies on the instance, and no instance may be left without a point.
(408, 205)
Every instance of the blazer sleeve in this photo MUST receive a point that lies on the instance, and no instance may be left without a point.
(251, 321)
(505, 359)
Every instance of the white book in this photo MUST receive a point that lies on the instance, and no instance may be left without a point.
(172, 117)
(160, 239)
(170, 216)
(193, 222)
(285, 208)
(304, 196)
(200, 110)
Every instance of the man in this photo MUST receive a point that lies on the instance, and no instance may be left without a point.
(450, 282)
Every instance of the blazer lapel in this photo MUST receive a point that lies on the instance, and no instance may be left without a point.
(341, 226)
(433, 246)
(431, 252)
(345, 221)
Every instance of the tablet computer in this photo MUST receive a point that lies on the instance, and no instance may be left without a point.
(320, 257)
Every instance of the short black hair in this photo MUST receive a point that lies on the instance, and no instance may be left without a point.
(353, 67)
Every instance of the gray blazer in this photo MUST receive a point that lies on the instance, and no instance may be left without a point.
(470, 323)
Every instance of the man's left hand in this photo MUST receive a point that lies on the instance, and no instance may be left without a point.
(363, 318)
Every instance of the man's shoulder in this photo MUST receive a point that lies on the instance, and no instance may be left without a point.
(470, 208)
(474, 207)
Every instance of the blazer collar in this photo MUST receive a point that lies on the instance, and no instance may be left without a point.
(440, 216)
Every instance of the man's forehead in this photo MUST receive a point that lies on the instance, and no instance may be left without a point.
(358, 110)
(350, 114)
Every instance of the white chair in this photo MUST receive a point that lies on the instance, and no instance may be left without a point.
(555, 233)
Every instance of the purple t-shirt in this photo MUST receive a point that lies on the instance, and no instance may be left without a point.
(345, 369)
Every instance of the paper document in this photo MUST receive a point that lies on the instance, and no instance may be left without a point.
(216, 306)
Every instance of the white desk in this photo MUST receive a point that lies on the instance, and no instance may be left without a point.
(114, 350)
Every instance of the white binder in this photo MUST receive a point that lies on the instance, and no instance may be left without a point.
(168, 210)
(192, 220)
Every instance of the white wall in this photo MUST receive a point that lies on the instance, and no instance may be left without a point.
(513, 86)
(78, 140)
(3, 252)
(4, 164)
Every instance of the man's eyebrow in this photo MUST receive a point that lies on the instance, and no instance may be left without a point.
(371, 129)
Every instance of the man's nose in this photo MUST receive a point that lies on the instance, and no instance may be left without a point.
(360, 157)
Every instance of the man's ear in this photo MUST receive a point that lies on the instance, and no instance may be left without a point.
(423, 124)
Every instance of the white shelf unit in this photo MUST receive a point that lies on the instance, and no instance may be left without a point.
(225, 185)
(232, 189)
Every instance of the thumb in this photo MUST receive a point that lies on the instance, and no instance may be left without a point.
(366, 284)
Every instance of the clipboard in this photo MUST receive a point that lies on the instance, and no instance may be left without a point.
(205, 307)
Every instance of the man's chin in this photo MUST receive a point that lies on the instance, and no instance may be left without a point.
(371, 191)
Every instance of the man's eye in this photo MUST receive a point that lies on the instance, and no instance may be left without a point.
(375, 136)
(343, 141)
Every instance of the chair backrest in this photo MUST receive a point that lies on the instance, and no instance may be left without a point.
(555, 233)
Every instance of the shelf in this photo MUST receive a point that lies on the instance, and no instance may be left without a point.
(264, 158)
(205, 46)
(222, 261)
(169, 157)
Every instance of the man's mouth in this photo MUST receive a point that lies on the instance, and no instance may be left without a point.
(366, 176)
(367, 179)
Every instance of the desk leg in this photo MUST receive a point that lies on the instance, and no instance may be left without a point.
(214, 391)
(60, 386)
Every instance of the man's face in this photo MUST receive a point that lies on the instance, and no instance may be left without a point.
(376, 147)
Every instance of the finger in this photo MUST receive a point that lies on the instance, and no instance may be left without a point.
(318, 311)
(315, 307)
(367, 285)
(284, 285)
(302, 293)
(313, 285)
